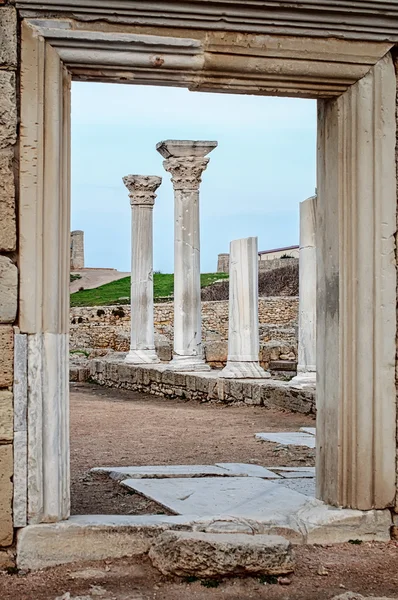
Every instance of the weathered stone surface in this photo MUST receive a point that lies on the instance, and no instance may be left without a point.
(7, 559)
(8, 290)
(355, 596)
(6, 471)
(7, 201)
(8, 36)
(7, 355)
(6, 416)
(216, 554)
(90, 538)
(8, 109)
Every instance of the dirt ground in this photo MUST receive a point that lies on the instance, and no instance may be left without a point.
(122, 428)
(110, 427)
(370, 569)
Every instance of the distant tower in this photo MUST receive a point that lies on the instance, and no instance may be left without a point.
(76, 250)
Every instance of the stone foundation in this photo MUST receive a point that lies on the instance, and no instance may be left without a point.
(204, 387)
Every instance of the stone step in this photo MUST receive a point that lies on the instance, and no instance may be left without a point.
(200, 554)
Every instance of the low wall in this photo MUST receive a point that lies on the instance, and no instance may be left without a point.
(204, 387)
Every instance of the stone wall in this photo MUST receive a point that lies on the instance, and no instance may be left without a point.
(263, 265)
(203, 387)
(8, 269)
(276, 263)
(108, 328)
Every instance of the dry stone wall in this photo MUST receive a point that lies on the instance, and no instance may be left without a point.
(108, 328)
(8, 269)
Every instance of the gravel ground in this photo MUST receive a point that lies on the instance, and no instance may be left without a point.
(370, 569)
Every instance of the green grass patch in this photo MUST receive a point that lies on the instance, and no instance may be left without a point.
(74, 276)
(118, 292)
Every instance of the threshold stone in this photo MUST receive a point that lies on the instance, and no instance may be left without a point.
(186, 553)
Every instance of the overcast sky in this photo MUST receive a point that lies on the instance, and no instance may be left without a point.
(263, 167)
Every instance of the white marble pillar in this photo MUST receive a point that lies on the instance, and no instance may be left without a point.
(142, 190)
(243, 335)
(186, 161)
(306, 367)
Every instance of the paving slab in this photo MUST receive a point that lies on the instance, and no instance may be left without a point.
(242, 469)
(163, 471)
(305, 486)
(310, 430)
(236, 496)
(292, 473)
(288, 438)
(166, 471)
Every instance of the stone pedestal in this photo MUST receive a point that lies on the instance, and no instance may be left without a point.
(306, 368)
(186, 160)
(243, 340)
(142, 190)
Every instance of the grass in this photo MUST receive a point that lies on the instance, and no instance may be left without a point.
(74, 276)
(118, 292)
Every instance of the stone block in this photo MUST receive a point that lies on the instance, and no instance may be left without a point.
(8, 36)
(202, 554)
(8, 290)
(6, 416)
(6, 472)
(8, 109)
(216, 351)
(7, 202)
(7, 355)
(236, 390)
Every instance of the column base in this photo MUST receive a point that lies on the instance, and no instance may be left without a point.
(188, 363)
(142, 357)
(243, 370)
(304, 378)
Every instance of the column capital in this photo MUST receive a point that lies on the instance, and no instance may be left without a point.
(142, 188)
(185, 161)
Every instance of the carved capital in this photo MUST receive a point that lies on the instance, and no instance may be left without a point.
(142, 188)
(186, 171)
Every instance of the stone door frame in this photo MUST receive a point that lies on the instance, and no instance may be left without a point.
(354, 82)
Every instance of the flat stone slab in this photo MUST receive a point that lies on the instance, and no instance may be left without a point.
(202, 554)
(163, 472)
(295, 472)
(310, 430)
(167, 471)
(288, 438)
(305, 486)
(236, 496)
(242, 469)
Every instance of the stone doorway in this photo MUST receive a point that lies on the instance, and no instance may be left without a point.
(355, 85)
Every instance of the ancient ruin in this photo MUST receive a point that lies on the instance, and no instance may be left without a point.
(340, 53)
(243, 340)
(76, 250)
(142, 195)
(306, 367)
(186, 161)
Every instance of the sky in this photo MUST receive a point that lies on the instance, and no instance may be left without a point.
(263, 167)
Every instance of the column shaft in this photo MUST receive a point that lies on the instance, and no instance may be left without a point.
(186, 160)
(306, 367)
(243, 334)
(142, 197)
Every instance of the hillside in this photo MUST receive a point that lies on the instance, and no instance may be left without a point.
(118, 292)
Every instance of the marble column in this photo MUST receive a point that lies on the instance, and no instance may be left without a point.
(306, 367)
(142, 190)
(243, 335)
(186, 160)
